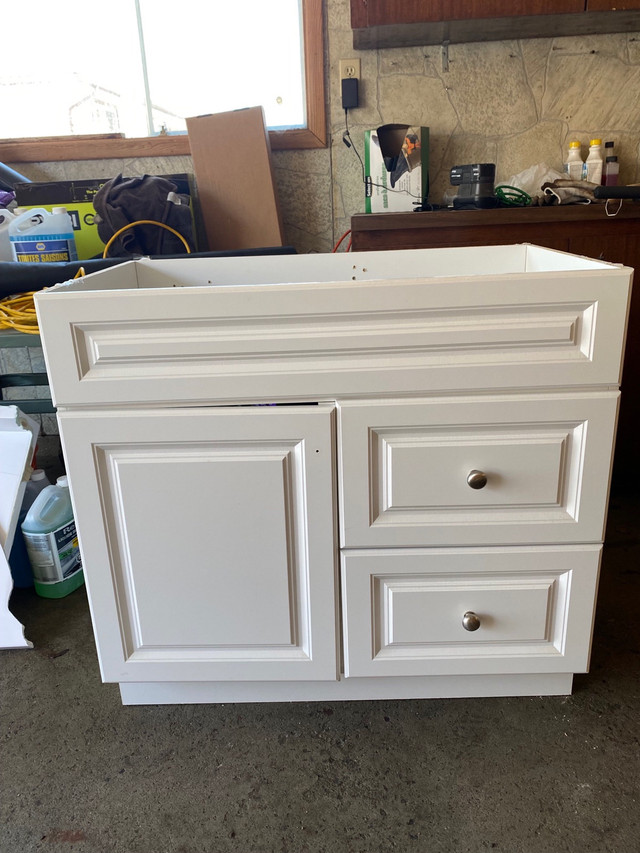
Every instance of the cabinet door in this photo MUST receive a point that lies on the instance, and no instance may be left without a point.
(611, 5)
(470, 9)
(371, 13)
(207, 540)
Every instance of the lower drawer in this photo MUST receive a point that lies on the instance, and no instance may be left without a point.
(468, 611)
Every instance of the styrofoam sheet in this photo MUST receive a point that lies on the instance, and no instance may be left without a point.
(18, 436)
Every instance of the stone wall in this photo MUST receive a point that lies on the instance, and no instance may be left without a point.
(514, 103)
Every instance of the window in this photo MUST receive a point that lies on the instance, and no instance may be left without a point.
(137, 71)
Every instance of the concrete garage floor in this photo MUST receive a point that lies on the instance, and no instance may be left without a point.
(79, 772)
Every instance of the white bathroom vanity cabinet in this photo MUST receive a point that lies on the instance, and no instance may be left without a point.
(340, 476)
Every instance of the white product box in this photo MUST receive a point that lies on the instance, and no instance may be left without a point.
(407, 185)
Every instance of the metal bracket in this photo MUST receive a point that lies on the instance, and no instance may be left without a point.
(445, 56)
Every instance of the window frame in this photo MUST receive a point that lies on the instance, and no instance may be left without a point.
(114, 146)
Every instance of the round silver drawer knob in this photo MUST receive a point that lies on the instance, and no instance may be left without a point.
(470, 622)
(477, 479)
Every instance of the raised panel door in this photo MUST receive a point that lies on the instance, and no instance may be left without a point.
(207, 540)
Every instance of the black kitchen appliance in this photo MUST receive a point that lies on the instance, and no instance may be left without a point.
(475, 182)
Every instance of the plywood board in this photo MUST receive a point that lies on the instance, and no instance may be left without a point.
(234, 177)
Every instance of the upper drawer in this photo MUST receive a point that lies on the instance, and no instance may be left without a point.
(475, 470)
(385, 332)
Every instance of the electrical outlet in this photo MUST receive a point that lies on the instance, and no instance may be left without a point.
(349, 68)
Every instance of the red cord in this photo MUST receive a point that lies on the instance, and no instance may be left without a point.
(337, 245)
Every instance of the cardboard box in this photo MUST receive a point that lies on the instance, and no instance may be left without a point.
(408, 184)
(77, 197)
(234, 180)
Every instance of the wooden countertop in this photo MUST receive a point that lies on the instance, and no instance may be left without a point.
(507, 225)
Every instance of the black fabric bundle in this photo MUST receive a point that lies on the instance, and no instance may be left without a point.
(121, 201)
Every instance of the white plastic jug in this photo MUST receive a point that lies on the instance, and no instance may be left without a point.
(6, 217)
(49, 532)
(37, 236)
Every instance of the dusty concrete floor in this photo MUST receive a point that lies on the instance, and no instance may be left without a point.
(81, 773)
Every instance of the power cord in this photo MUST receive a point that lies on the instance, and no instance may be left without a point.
(348, 141)
(19, 313)
(337, 245)
(512, 196)
(144, 222)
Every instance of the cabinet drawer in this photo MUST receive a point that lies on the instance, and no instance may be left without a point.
(325, 327)
(403, 611)
(476, 470)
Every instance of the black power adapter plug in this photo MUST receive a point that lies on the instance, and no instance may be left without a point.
(349, 93)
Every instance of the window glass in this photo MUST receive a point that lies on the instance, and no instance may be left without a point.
(241, 55)
(137, 68)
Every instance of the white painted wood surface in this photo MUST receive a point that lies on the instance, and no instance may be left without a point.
(403, 610)
(404, 467)
(210, 529)
(458, 330)
(209, 534)
(378, 687)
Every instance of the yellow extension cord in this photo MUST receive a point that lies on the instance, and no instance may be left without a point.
(19, 312)
(145, 222)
